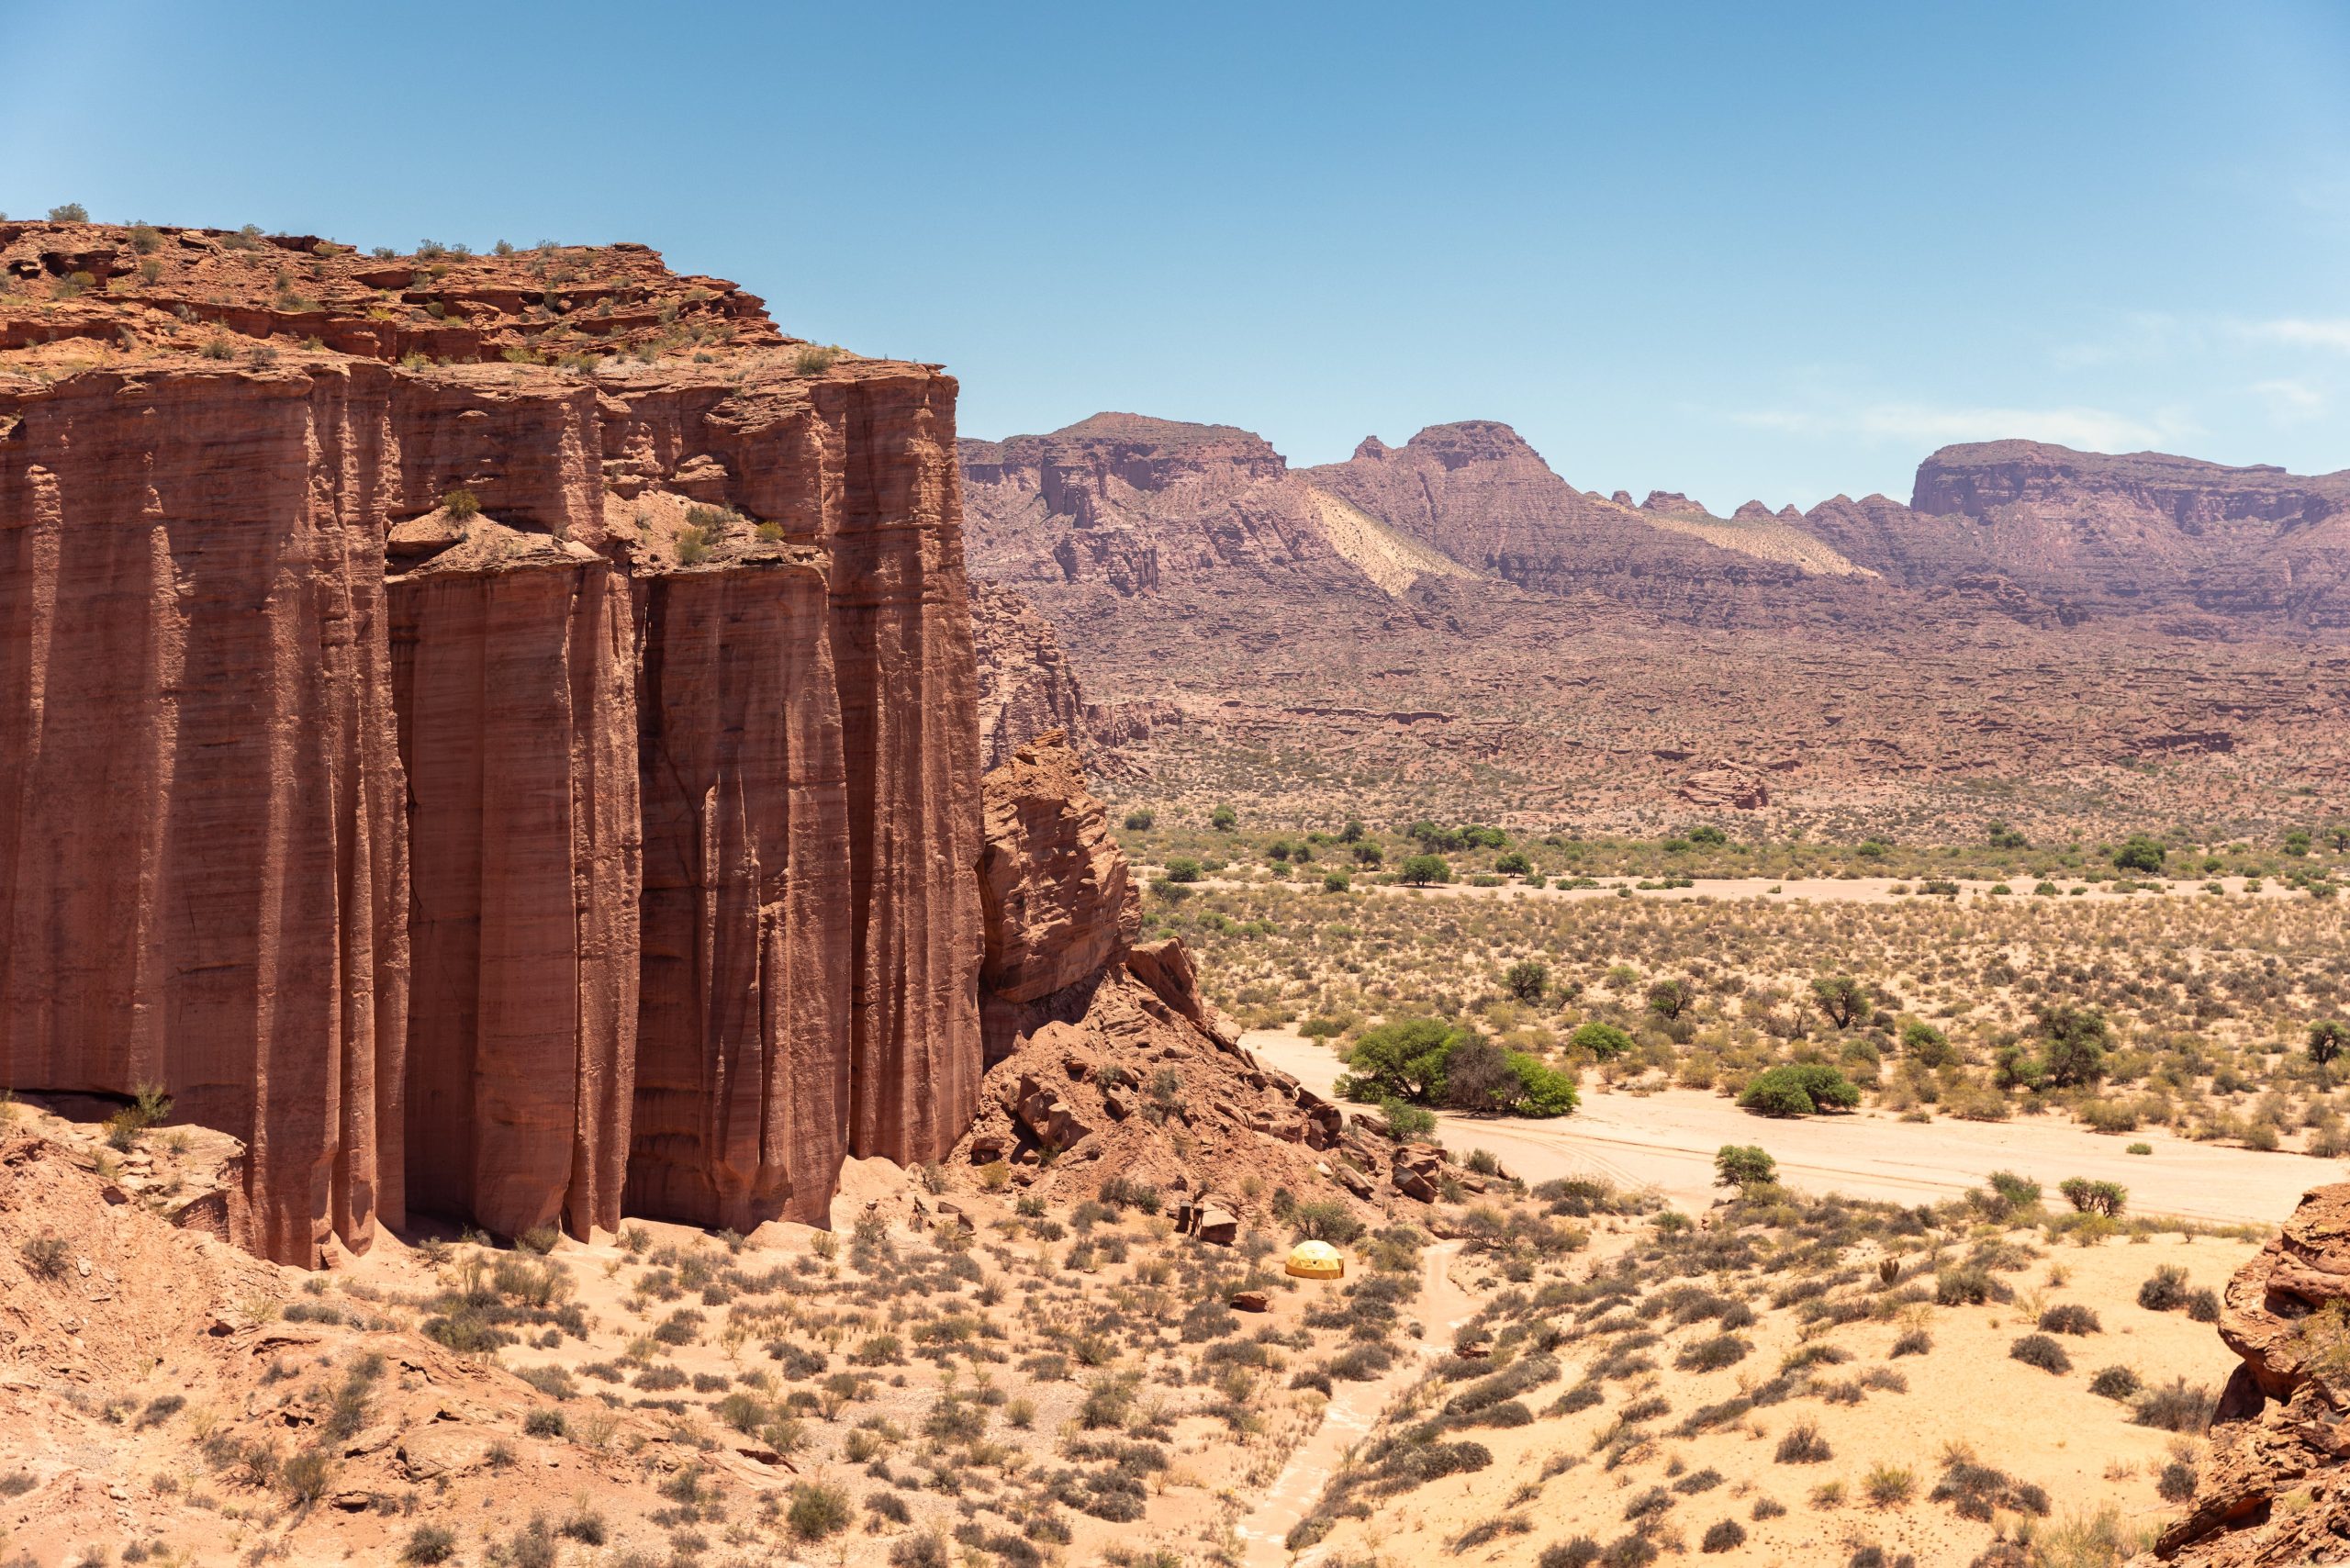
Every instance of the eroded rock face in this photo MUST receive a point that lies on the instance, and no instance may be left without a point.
(2275, 1489)
(1058, 902)
(520, 789)
(1027, 684)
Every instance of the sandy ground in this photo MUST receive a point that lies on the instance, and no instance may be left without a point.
(1353, 1412)
(1667, 1140)
(1967, 1389)
(1798, 889)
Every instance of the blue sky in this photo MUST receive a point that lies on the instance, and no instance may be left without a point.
(1736, 250)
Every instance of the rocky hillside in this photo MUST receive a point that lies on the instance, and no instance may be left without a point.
(495, 734)
(1452, 620)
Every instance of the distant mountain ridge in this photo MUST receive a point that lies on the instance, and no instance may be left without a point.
(1452, 609)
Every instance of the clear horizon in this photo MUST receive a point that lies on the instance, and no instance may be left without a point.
(1717, 250)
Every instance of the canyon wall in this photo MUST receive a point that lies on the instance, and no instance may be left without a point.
(524, 786)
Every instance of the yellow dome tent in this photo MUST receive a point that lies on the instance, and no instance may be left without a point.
(1316, 1261)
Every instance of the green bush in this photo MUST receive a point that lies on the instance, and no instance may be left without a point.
(1800, 1089)
(1420, 870)
(1743, 1165)
(1604, 1041)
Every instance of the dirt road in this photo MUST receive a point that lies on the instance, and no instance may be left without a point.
(1354, 1409)
(1667, 1140)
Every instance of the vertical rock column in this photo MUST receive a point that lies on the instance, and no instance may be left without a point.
(743, 1077)
(200, 877)
(901, 638)
(514, 672)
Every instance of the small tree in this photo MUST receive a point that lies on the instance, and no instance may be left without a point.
(1420, 870)
(1351, 833)
(1529, 979)
(1402, 1060)
(2076, 1038)
(2140, 853)
(1182, 868)
(1224, 818)
(1477, 1076)
(2088, 1198)
(1140, 820)
(1669, 999)
(1927, 1046)
(1843, 999)
(1743, 1165)
(2327, 1036)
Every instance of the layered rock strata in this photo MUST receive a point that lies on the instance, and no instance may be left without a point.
(518, 791)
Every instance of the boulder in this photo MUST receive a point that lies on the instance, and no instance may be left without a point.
(1249, 1301)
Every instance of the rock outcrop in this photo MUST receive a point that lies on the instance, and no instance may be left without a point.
(1105, 1061)
(2275, 1489)
(1054, 889)
(518, 790)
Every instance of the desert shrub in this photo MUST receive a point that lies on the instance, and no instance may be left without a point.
(2180, 1407)
(1802, 1444)
(584, 1524)
(544, 1424)
(430, 1544)
(2203, 1305)
(2115, 1383)
(1768, 1508)
(1966, 1286)
(1976, 1491)
(2040, 1350)
(47, 1256)
(1713, 1354)
(1800, 1089)
(1888, 1485)
(2070, 1317)
(305, 1476)
(1580, 1552)
(2167, 1291)
(817, 1510)
(2177, 1482)
(1913, 1342)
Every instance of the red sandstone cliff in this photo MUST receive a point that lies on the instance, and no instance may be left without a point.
(562, 849)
